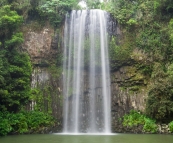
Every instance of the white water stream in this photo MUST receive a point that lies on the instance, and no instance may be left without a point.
(86, 78)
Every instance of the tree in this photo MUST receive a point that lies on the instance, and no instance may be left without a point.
(9, 22)
(55, 10)
(160, 95)
(15, 67)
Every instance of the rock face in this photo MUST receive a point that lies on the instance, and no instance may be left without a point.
(41, 45)
(163, 128)
(44, 47)
(125, 98)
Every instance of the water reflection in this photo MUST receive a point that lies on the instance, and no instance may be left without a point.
(116, 138)
(86, 139)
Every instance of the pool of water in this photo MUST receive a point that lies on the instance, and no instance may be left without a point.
(112, 138)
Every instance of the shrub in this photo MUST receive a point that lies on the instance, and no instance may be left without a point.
(24, 122)
(5, 127)
(171, 127)
(135, 118)
(150, 126)
(18, 122)
(37, 119)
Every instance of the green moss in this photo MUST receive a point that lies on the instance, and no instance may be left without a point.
(134, 88)
(120, 53)
(55, 71)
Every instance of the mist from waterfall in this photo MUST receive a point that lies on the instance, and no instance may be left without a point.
(86, 74)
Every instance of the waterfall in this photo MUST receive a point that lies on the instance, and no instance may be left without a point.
(86, 78)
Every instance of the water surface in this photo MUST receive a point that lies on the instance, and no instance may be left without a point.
(114, 138)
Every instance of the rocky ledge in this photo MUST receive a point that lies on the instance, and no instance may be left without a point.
(161, 129)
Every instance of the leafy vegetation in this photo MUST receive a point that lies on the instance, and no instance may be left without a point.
(15, 81)
(9, 23)
(15, 67)
(42, 97)
(160, 96)
(171, 126)
(94, 4)
(24, 122)
(135, 118)
(119, 54)
(52, 11)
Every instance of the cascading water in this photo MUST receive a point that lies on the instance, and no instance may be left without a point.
(86, 78)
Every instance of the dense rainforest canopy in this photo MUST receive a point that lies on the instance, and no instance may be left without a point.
(146, 27)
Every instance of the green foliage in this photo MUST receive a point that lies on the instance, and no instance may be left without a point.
(143, 19)
(55, 71)
(55, 10)
(34, 3)
(160, 95)
(123, 10)
(9, 21)
(15, 80)
(93, 4)
(37, 119)
(135, 118)
(21, 6)
(171, 31)
(15, 67)
(5, 127)
(171, 126)
(18, 122)
(42, 97)
(17, 38)
(3, 2)
(150, 126)
(24, 122)
(164, 6)
(119, 54)
(145, 43)
(114, 49)
(132, 22)
(38, 97)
